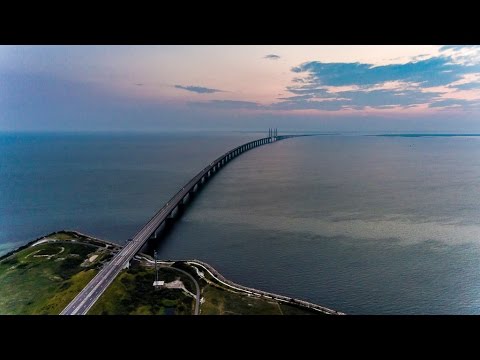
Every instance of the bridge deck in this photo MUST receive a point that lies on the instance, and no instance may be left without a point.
(95, 288)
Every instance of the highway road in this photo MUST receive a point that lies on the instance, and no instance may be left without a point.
(95, 288)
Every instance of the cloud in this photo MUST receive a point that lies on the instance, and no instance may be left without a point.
(448, 103)
(308, 104)
(313, 91)
(358, 100)
(337, 86)
(226, 104)
(457, 103)
(359, 86)
(139, 84)
(198, 89)
(462, 54)
(429, 72)
(272, 57)
(467, 86)
(456, 47)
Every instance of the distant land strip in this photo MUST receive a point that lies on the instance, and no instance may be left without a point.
(424, 135)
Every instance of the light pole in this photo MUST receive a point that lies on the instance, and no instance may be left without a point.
(156, 271)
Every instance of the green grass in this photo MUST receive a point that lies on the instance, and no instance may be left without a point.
(222, 302)
(66, 292)
(43, 285)
(62, 235)
(288, 309)
(219, 300)
(43, 279)
(132, 293)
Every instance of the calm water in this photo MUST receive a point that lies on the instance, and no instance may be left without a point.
(382, 225)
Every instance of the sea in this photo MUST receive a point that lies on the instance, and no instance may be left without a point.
(360, 223)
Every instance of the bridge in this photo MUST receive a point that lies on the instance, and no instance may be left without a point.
(95, 288)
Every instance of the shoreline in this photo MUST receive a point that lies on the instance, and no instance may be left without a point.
(192, 262)
(261, 293)
(78, 233)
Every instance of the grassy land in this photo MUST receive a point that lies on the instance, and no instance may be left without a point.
(61, 235)
(132, 293)
(222, 302)
(219, 301)
(43, 279)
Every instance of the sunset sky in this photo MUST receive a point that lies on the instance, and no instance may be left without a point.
(144, 88)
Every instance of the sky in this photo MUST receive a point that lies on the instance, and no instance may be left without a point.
(165, 88)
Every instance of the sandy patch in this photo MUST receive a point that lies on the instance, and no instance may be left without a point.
(41, 242)
(177, 284)
(62, 249)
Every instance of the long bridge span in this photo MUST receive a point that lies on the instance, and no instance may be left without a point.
(95, 288)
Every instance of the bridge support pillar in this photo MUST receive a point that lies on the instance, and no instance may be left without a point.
(180, 207)
(169, 220)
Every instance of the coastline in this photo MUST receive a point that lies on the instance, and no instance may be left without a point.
(33, 242)
(265, 294)
(199, 266)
